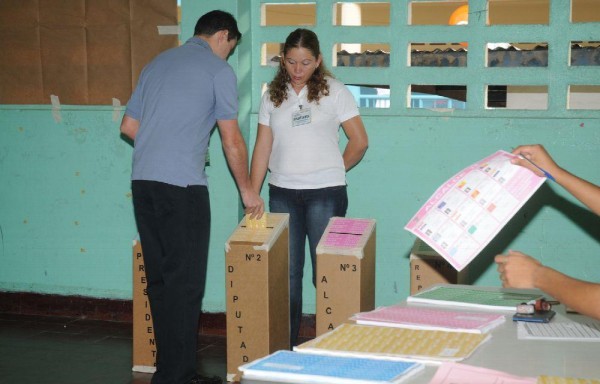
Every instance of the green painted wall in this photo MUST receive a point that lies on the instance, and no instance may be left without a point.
(66, 221)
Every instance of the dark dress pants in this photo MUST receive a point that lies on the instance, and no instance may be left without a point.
(174, 227)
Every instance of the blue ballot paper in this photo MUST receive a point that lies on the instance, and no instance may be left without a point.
(303, 367)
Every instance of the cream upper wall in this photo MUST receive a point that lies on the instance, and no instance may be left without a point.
(436, 12)
(432, 13)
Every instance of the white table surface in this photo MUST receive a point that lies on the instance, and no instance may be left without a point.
(506, 353)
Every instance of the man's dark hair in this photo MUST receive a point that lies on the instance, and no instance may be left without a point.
(215, 21)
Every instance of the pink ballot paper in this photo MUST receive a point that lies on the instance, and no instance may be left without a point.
(452, 373)
(467, 211)
(345, 232)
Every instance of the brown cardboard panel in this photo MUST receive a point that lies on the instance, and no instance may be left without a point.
(257, 306)
(338, 290)
(106, 13)
(108, 51)
(257, 279)
(62, 13)
(146, 16)
(83, 51)
(279, 293)
(64, 64)
(345, 281)
(63, 50)
(109, 57)
(144, 346)
(367, 278)
(18, 13)
(20, 66)
(428, 268)
(247, 307)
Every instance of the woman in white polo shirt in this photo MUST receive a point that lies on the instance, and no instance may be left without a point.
(298, 142)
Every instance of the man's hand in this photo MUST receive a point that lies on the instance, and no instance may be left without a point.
(253, 203)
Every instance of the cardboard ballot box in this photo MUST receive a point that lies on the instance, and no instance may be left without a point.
(345, 271)
(427, 268)
(257, 278)
(144, 346)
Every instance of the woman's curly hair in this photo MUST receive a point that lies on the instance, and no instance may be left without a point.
(317, 84)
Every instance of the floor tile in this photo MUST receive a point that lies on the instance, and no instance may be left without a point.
(50, 350)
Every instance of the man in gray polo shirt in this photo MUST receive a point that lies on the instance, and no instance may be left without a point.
(179, 97)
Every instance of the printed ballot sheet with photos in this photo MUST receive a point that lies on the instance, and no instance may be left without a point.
(467, 211)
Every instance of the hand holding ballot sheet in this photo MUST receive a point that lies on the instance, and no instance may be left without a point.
(518, 270)
(583, 190)
(468, 210)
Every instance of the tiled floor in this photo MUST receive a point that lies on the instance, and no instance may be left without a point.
(51, 350)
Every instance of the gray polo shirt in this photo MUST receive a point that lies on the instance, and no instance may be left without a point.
(178, 99)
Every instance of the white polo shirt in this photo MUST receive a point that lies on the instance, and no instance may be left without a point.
(305, 152)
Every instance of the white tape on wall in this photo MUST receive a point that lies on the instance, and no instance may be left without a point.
(169, 29)
(116, 109)
(55, 108)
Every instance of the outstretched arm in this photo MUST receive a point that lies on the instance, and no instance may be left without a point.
(518, 270)
(584, 191)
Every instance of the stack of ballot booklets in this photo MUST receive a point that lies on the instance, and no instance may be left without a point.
(430, 319)
(421, 345)
(467, 296)
(293, 367)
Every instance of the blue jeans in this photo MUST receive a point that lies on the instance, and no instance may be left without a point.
(310, 211)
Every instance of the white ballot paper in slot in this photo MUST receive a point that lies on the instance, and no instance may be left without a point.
(467, 211)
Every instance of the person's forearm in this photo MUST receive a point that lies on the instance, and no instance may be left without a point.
(537, 159)
(237, 159)
(260, 156)
(584, 191)
(258, 172)
(353, 153)
(578, 295)
(358, 141)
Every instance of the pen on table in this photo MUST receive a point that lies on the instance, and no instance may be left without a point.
(546, 173)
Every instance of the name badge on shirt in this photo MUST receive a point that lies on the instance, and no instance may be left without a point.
(301, 117)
